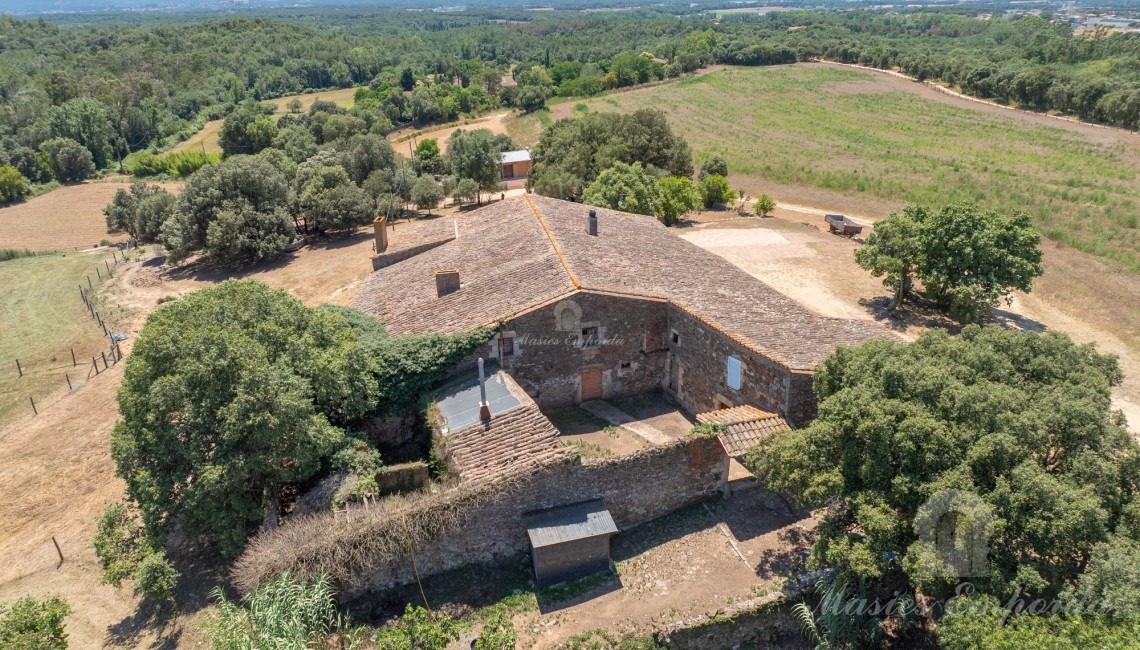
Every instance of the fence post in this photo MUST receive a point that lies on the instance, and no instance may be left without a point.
(34, 411)
(68, 382)
(98, 273)
(73, 363)
(89, 282)
(104, 354)
(108, 265)
(18, 368)
(94, 364)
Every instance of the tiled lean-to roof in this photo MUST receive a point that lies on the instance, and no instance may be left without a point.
(527, 251)
(744, 427)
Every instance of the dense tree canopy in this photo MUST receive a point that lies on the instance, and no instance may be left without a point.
(236, 210)
(474, 155)
(624, 187)
(967, 258)
(1016, 424)
(581, 148)
(237, 390)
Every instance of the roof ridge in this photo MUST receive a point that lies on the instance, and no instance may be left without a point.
(553, 242)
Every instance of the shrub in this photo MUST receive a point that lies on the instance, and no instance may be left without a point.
(285, 613)
(145, 163)
(31, 624)
(70, 161)
(13, 186)
(125, 553)
(420, 630)
(498, 632)
(764, 205)
(678, 197)
(185, 163)
(715, 166)
(715, 191)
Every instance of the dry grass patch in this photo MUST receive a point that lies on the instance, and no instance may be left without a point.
(64, 219)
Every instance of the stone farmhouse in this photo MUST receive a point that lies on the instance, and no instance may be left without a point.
(589, 303)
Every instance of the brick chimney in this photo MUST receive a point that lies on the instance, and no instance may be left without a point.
(446, 282)
(592, 223)
(380, 225)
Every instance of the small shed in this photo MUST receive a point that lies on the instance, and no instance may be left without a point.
(570, 542)
(514, 164)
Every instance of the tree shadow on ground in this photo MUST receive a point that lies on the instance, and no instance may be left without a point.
(789, 556)
(1013, 321)
(914, 313)
(748, 515)
(202, 569)
(340, 240)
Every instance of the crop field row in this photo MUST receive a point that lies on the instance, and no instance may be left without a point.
(845, 131)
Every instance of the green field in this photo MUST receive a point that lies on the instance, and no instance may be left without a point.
(41, 318)
(845, 131)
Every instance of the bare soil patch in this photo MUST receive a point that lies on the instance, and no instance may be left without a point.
(68, 218)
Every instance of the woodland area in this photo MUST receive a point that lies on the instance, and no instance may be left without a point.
(122, 88)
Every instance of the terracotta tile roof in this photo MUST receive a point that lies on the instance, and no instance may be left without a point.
(505, 262)
(411, 238)
(635, 254)
(744, 426)
(516, 440)
(526, 251)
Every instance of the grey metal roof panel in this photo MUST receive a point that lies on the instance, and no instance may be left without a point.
(508, 157)
(459, 400)
(569, 523)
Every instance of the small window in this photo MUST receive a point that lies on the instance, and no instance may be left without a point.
(734, 373)
(674, 337)
(625, 365)
(506, 346)
(589, 337)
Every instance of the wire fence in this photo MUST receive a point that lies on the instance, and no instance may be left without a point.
(45, 379)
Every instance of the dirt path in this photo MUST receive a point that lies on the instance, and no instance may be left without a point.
(58, 475)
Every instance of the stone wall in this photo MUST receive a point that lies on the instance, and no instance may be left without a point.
(636, 488)
(802, 406)
(550, 351)
(697, 369)
(644, 345)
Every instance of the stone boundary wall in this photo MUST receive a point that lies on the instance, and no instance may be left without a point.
(636, 488)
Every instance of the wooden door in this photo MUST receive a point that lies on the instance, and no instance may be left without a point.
(591, 379)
